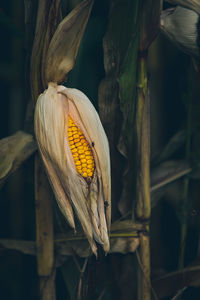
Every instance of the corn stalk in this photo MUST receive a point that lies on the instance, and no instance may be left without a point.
(185, 203)
(44, 233)
(149, 18)
(143, 179)
(45, 27)
(54, 52)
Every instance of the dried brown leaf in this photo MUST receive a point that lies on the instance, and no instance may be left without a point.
(48, 17)
(175, 143)
(191, 4)
(167, 172)
(14, 150)
(26, 247)
(117, 93)
(170, 283)
(123, 239)
(65, 43)
(164, 174)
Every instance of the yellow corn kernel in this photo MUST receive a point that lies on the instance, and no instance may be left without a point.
(83, 160)
(90, 166)
(76, 136)
(74, 150)
(77, 140)
(77, 144)
(87, 153)
(81, 150)
(88, 157)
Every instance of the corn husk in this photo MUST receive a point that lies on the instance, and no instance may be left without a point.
(71, 190)
(64, 45)
(180, 26)
(191, 4)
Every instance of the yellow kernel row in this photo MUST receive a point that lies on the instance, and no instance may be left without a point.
(81, 150)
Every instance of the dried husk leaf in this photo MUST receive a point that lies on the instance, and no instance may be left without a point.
(191, 4)
(48, 18)
(14, 150)
(117, 96)
(164, 174)
(167, 172)
(124, 245)
(70, 188)
(168, 284)
(175, 143)
(65, 43)
(121, 241)
(180, 27)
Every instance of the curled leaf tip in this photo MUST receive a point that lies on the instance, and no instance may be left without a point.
(65, 43)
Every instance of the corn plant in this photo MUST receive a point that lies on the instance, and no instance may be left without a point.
(106, 196)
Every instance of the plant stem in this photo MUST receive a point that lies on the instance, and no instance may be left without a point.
(142, 127)
(143, 207)
(184, 204)
(44, 233)
(48, 17)
(149, 26)
(144, 283)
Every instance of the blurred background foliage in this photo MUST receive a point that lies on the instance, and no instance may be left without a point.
(175, 140)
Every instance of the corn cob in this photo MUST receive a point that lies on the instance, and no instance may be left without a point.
(67, 126)
(81, 151)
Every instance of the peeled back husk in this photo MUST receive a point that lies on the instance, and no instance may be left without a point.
(90, 201)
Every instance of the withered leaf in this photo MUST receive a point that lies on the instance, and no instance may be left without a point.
(65, 43)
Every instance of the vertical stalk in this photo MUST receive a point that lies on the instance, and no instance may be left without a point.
(144, 284)
(143, 207)
(149, 24)
(44, 233)
(142, 128)
(48, 16)
(184, 204)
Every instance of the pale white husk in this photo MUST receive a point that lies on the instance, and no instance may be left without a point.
(71, 190)
(180, 26)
